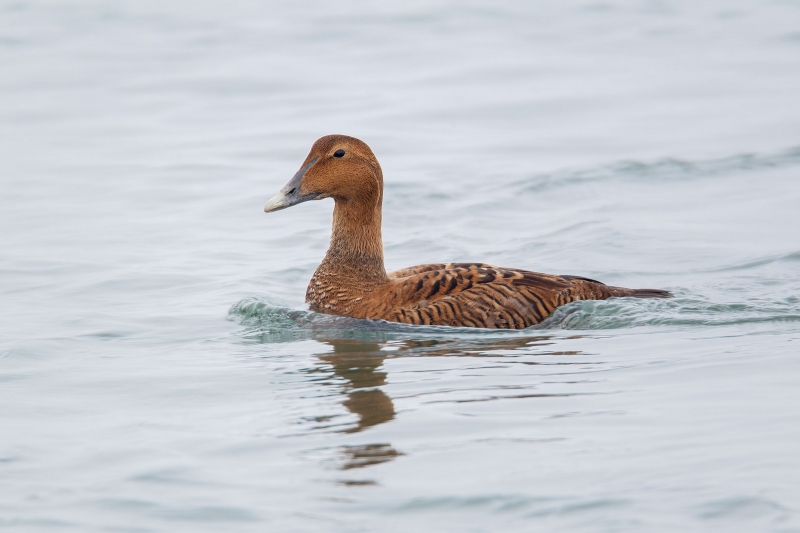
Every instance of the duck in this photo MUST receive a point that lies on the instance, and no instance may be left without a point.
(352, 280)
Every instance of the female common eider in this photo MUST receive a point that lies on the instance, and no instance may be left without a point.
(352, 281)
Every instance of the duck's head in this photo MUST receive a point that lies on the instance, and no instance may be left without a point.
(338, 167)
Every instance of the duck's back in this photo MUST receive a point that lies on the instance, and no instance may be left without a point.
(472, 295)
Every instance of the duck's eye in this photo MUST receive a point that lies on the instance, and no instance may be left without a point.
(338, 153)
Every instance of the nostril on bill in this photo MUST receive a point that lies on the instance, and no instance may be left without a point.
(293, 189)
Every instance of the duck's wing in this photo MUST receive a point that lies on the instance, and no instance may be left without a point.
(478, 295)
(485, 296)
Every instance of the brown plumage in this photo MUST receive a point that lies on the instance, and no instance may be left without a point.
(351, 280)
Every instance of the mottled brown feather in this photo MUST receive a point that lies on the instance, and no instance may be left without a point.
(352, 281)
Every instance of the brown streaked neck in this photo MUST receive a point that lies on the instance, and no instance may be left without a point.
(356, 250)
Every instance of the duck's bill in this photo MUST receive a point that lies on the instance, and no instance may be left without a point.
(290, 194)
(281, 201)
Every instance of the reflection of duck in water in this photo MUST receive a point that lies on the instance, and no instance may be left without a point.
(357, 362)
(352, 281)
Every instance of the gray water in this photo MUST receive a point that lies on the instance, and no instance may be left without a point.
(160, 372)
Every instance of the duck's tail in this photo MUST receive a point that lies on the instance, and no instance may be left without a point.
(640, 293)
(601, 291)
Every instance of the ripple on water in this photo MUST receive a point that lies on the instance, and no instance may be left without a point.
(504, 503)
(685, 311)
(188, 513)
(663, 169)
(270, 320)
(743, 508)
(755, 263)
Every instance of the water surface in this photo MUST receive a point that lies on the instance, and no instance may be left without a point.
(160, 372)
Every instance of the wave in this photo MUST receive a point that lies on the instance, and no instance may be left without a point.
(663, 169)
(756, 263)
(269, 320)
(685, 311)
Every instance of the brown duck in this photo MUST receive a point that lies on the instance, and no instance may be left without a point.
(352, 280)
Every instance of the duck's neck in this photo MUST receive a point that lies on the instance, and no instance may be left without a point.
(355, 254)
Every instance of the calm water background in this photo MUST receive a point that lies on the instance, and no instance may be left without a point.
(158, 370)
